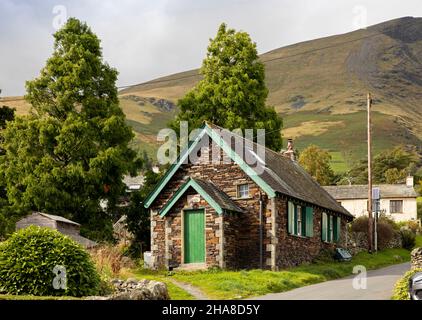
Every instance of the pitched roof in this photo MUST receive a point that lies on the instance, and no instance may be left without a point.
(57, 218)
(361, 191)
(274, 174)
(215, 197)
(86, 243)
(223, 200)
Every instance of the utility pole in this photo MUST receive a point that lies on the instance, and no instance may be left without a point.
(370, 219)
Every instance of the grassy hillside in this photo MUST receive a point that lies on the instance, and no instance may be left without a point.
(319, 88)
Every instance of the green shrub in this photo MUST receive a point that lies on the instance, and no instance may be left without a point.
(401, 289)
(408, 239)
(386, 229)
(28, 257)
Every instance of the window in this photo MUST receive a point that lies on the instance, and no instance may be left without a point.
(243, 191)
(330, 228)
(299, 220)
(396, 206)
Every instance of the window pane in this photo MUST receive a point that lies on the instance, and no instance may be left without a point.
(243, 191)
(396, 206)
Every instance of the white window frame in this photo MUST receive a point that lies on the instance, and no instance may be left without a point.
(299, 220)
(331, 227)
(243, 194)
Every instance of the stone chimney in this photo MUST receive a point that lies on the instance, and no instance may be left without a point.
(409, 181)
(290, 153)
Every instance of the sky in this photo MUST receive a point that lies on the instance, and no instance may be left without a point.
(146, 39)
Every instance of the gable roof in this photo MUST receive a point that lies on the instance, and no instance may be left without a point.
(349, 192)
(216, 198)
(277, 173)
(57, 218)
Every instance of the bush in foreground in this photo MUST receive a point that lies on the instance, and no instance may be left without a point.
(28, 260)
(401, 289)
(408, 239)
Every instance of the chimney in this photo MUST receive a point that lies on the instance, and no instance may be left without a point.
(409, 181)
(290, 153)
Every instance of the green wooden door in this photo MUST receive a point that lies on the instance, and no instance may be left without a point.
(194, 236)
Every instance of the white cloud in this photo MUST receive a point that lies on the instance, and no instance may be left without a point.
(147, 39)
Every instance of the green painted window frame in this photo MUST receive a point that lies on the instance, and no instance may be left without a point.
(300, 221)
(330, 228)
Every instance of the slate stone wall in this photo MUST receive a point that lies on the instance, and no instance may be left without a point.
(233, 239)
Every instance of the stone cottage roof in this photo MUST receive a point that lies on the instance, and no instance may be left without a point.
(289, 178)
(219, 196)
(350, 192)
(217, 199)
(58, 218)
(277, 174)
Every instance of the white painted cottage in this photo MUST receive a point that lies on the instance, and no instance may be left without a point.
(397, 201)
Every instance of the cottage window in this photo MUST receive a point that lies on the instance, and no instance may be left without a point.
(300, 220)
(243, 191)
(330, 228)
(396, 206)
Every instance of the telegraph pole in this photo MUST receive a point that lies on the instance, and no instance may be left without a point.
(370, 219)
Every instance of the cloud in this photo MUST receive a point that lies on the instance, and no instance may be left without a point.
(146, 39)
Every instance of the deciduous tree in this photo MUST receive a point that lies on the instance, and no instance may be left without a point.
(316, 162)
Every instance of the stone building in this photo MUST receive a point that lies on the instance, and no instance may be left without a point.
(63, 225)
(230, 207)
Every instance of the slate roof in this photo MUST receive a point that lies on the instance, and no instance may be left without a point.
(278, 174)
(349, 192)
(223, 200)
(58, 218)
(289, 178)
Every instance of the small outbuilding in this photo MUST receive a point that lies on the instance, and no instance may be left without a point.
(63, 225)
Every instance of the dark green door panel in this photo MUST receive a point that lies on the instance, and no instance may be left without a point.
(194, 236)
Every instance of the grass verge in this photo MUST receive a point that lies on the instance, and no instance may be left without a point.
(221, 284)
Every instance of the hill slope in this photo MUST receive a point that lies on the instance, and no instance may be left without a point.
(319, 87)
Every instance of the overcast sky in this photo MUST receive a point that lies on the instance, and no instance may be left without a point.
(148, 39)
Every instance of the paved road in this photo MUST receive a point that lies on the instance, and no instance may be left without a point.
(380, 284)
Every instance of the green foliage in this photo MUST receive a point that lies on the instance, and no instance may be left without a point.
(28, 257)
(316, 162)
(408, 239)
(232, 93)
(73, 152)
(225, 284)
(391, 166)
(138, 218)
(401, 288)
(385, 229)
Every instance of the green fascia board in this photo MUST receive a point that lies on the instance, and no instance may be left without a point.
(181, 191)
(226, 148)
(172, 170)
(240, 162)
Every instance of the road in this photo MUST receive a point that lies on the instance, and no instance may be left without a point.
(379, 283)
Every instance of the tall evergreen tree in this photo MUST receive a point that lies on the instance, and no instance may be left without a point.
(232, 93)
(70, 156)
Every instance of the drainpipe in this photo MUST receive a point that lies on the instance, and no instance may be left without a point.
(260, 232)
